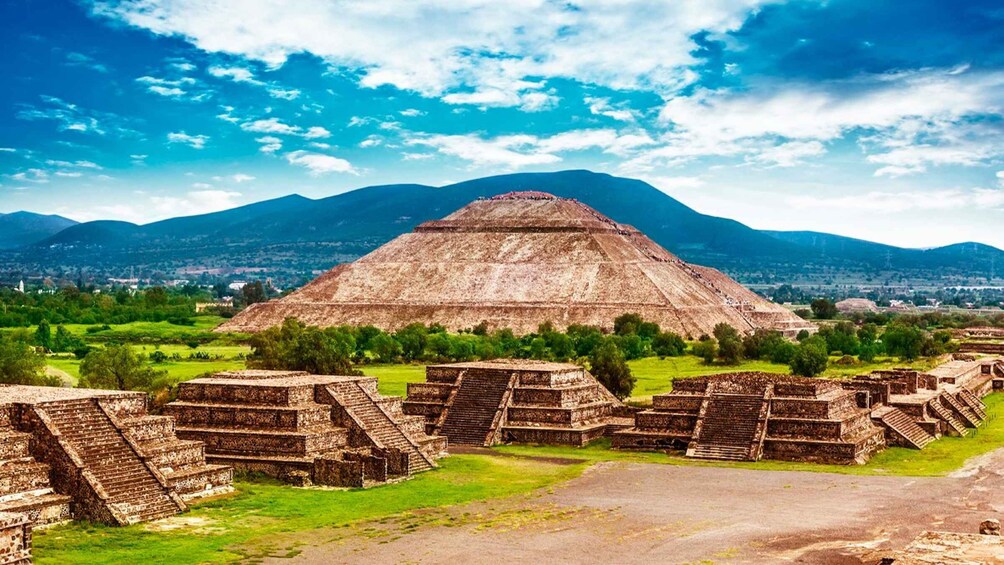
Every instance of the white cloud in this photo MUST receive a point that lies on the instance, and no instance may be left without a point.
(269, 144)
(78, 164)
(194, 202)
(283, 93)
(788, 154)
(913, 159)
(319, 164)
(411, 112)
(316, 132)
(8, 150)
(38, 176)
(898, 202)
(193, 141)
(201, 185)
(416, 156)
(270, 125)
(1000, 178)
(602, 107)
(492, 52)
(172, 92)
(237, 178)
(371, 141)
(236, 74)
(516, 151)
(669, 184)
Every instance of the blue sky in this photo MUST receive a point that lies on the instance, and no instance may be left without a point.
(880, 120)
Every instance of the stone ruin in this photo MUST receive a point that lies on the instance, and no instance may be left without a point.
(303, 428)
(516, 261)
(15, 538)
(97, 455)
(917, 407)
(752, 416)
(987, 340)
(514, 401)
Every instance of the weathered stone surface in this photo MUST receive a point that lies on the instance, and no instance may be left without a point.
(101, 450)
(516, 261)
(520, 401)
(15, 538)
(757, 415)
(304, 429)
(990, 527)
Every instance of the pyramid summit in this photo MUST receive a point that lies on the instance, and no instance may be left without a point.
(517, 260)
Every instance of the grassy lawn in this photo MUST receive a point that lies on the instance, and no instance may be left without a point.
(265, 516)
(394, 379)
(939, 458)
(178, 370)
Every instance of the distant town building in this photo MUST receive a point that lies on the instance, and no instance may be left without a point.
(20, 287)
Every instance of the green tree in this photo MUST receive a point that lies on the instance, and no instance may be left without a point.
(20, 364)
(823, 308)
(627, 324)
(412, 338)
(43, 335)
(706, 349)
(903, 341)
(117, 367)
(608, 365)
(811, 357)
(668, 344)
(385, 347)
(253, 293)
(730, 344)
(297, 347)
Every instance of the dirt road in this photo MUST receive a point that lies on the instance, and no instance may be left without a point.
(641, 513)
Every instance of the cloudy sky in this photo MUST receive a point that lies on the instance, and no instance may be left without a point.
(879, 120)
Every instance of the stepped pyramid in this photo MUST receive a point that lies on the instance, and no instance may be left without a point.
(515, 401)
(752, 416)
(515, 261)
(98, 453)
(303, 428)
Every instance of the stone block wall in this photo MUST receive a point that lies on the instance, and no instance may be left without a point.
(15, 539)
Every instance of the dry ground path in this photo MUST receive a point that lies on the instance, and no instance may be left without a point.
(644, 513)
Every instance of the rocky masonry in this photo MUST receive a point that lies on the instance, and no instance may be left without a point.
(749, 416)
(303, 428)
(99, 454)
(503, 401)
(516, 261)
(15, 539)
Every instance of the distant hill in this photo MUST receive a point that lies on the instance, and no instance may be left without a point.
(292, 236)
(24, 228)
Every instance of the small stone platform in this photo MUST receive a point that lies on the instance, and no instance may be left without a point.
(749, 416)
(515, 401)
(303, 428)
(99, 453)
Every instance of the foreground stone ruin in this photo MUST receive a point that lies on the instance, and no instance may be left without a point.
(519, 260)
(749, 416)
(97, 455)
(486, 403)
(303, 428)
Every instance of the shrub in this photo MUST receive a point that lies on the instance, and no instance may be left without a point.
(811, 357)
(608, 365)
(706, 349)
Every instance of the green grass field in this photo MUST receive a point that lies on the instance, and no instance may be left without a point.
(265, 517)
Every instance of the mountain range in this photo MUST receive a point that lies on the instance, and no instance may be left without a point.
(293, 236)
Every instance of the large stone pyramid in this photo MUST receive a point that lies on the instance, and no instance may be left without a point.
(517, 260)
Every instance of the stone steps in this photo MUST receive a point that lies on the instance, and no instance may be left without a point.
(469, 418)
(728, 427)
(961, 410)
(110, 460)
(946, 416)
(378, 424)
(903, 426)
(973, 402)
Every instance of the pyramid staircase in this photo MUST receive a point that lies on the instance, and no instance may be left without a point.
(946, 416)
(382, 429)
(973, 402)
(968, 417)
(24, 482)
(903, 426)
(475, 415)
(730, 427)
(129, 489)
